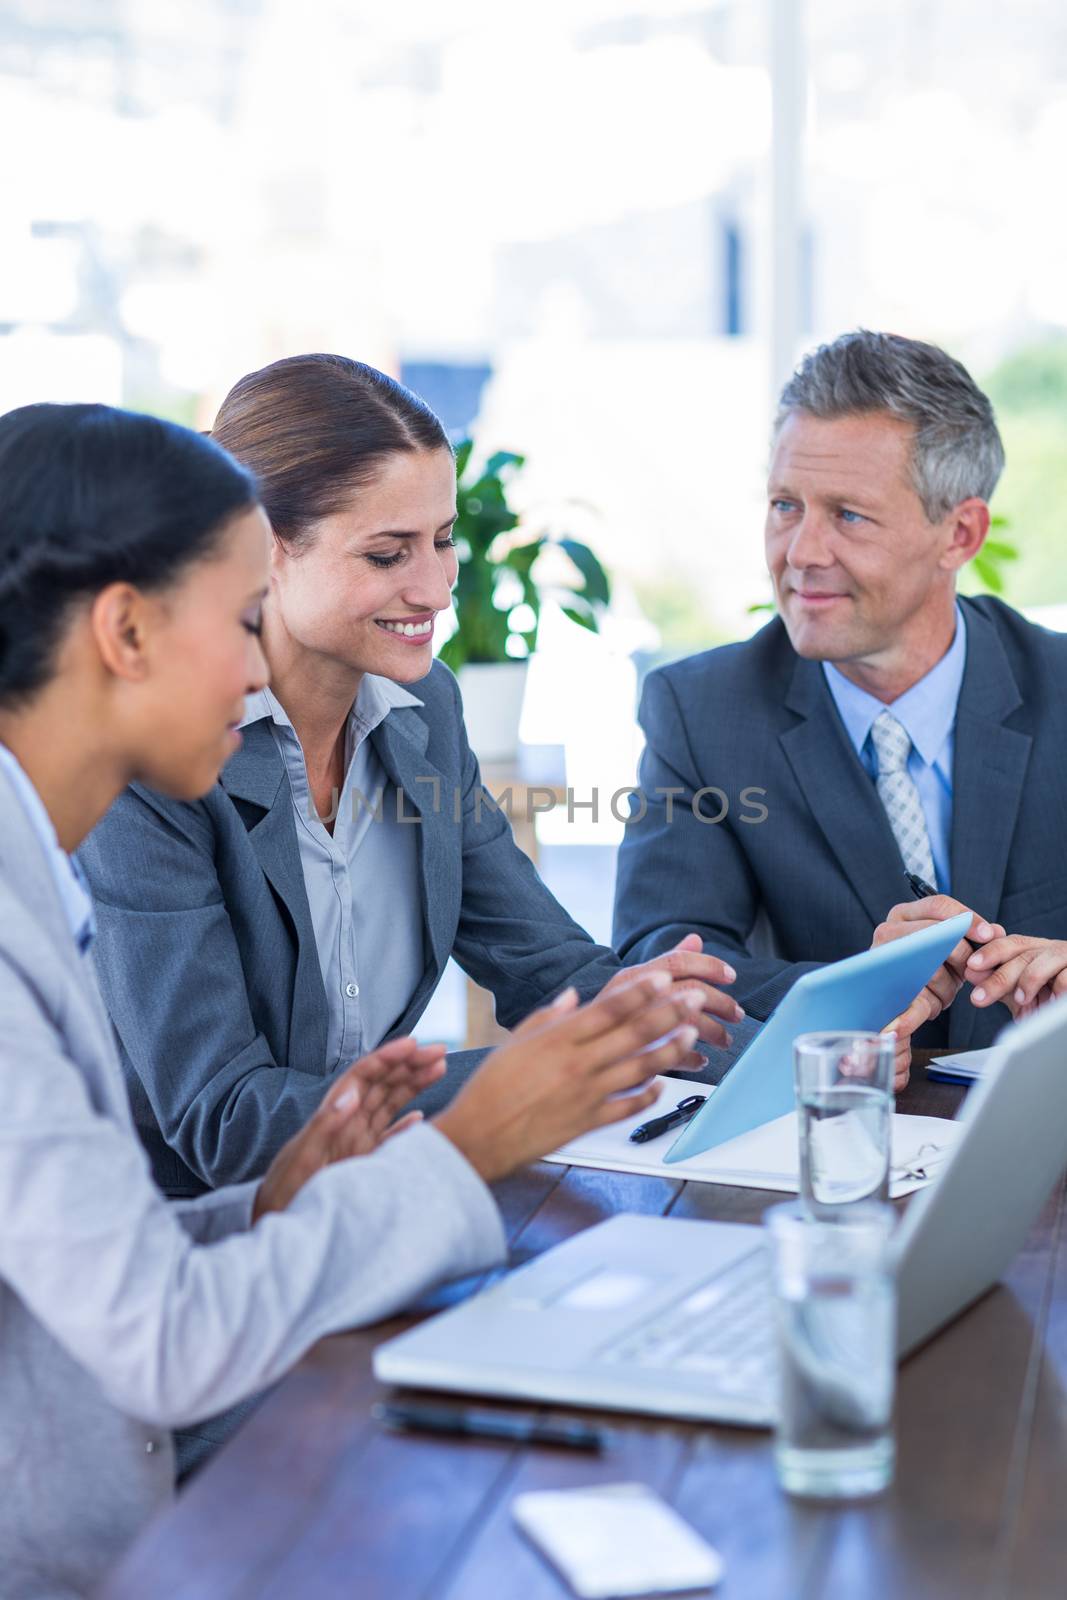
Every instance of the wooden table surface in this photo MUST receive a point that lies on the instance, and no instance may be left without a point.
(313, 1499)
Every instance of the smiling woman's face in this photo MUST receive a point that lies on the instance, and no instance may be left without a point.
(366, 587)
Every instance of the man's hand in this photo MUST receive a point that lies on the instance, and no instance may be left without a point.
(689, 968)
(355, 1116)
(945, 985)
(567, 1069)
(1022, 972)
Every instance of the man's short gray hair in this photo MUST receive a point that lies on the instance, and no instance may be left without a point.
(957, 452)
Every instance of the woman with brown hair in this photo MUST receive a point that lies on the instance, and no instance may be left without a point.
(133, 564)
(251, 944)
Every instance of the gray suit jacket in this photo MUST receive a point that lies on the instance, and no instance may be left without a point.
(809, 883)
(207, 954)
(114, 1325)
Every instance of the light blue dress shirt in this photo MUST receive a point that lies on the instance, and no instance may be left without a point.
(927, 711)
(67, 874)
(362, 880)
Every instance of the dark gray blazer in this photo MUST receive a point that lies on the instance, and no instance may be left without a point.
(207, 956)
(809, 883)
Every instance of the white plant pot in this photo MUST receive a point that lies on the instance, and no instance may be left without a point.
(492, 704)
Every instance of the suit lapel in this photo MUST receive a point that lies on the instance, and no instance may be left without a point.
(26, 870)
(400, 742)
(989, 769)
(988, 774)
(840, 795)
(255, 781)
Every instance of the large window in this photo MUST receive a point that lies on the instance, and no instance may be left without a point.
(574, 226)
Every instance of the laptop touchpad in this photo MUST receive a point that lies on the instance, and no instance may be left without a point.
(606, 1290)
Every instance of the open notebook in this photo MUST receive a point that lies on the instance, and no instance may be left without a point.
(766, 1158)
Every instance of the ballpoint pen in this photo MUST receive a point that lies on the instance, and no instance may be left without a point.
(682, 1112)
(919, 886)
(506, 1425)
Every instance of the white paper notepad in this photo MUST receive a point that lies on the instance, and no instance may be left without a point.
(766, 1158)
(967, 1065)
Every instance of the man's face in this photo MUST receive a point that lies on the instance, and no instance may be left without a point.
(849, 547)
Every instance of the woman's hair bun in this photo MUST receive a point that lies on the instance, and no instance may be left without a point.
(89, 496)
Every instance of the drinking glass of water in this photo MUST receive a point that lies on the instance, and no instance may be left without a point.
(835, 1303)
(844, 1084)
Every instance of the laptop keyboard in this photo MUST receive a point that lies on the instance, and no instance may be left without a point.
(724, 1329)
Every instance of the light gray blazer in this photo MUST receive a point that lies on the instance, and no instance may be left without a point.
(115, 1323)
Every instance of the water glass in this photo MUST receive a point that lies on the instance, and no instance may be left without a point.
(835, 1304)
(844, 1084)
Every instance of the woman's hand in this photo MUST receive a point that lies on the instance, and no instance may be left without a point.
(1023, 972)
(945, 985)
(567, 1069)
(689, 968)
(355, 1116)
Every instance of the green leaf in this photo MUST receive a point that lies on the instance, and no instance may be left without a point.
(463, 455)
(501, 459)
(521, 557)
(583, 619)
(453, 652)
(595, 580)
(997, 550)
(987, 574)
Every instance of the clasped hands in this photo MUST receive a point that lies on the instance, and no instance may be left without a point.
(565, 1069)
(1021, 971)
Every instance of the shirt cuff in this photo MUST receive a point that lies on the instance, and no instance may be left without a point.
(217, 1215)
(468, 1213)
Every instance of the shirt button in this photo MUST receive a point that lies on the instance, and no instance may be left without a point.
(351, 990)
(150, 1447)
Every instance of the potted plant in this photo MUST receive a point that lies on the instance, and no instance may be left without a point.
(505, 573)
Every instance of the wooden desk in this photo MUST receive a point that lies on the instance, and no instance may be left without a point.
(312, 1500)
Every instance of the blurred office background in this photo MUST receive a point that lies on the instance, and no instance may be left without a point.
(594, 231)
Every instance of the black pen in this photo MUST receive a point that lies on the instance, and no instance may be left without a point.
(515, 1428)
(921, 889)
(682, 1112)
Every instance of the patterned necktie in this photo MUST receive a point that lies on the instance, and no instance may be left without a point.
(900, 797)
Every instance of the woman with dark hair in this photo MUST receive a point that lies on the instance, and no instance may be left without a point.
(305, 910)
(133, 564)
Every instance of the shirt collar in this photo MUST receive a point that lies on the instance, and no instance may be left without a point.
(926, 711)
(69, 879)
(373, 703)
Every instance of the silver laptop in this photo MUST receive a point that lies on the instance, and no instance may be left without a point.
(659, 1314)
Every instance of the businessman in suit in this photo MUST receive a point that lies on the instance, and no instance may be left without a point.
(879, 724)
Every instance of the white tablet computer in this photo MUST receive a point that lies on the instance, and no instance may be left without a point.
(862, 992)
